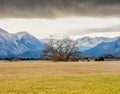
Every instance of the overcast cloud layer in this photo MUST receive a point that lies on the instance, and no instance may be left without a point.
(58, 8)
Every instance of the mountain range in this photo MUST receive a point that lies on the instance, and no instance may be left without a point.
(87, 43)
(24, 45)
(17, 45)
(105, 48)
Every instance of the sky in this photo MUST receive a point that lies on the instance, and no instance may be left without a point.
(61, 18)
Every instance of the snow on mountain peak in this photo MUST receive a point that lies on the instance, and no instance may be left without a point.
(22, 34)
(14, 45)
(3, 31)
(4, 35)
(105, 48)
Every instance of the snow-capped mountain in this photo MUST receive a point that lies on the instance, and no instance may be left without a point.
(28, 41)
(6, 43)
(105, 48)
(16, 45)
(24, 45)
(4, 35)
(87, 43)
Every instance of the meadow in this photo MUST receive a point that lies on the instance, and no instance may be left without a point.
(47, 77)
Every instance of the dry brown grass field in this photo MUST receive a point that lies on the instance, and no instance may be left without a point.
(47, 77)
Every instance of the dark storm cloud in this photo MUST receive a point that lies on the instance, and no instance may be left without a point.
(58, 8)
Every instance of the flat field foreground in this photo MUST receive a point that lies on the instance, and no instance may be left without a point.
(46, 77)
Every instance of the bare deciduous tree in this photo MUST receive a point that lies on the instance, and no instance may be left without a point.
(61, 50)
